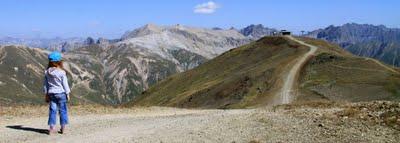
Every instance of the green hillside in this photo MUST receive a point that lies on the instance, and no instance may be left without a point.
(238, 78)
(335, 76)
(21, 74)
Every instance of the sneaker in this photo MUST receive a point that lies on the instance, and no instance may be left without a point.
(62, 131)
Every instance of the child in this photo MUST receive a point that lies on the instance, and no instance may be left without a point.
(57, 92)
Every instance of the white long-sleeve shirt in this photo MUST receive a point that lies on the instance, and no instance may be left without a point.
(55, 81)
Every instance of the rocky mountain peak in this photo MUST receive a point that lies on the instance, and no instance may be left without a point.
(142, 31)
(89, 41)
(256, 31)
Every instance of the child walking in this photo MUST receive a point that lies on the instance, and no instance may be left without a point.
(56, 91)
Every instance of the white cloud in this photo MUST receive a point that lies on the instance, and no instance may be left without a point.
(206, 8)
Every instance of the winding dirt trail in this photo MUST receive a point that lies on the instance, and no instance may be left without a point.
(383, 65)
(287, 88)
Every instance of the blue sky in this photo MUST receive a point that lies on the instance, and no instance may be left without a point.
(111, 18)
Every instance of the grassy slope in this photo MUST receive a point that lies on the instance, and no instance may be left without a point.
(89, 71)
(20, 68)
(244, 76)
(24, 86)
(250, 75)
(337, 75)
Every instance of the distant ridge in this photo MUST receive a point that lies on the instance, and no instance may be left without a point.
(378, 42)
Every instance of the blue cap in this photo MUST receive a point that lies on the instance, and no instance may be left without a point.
(55, 57)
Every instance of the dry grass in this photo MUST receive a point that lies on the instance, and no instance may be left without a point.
(339, 77)
(326, 47)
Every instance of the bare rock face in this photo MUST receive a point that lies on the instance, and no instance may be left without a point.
(257, 31)
(377, 42)
(142, 31)
(161, 39)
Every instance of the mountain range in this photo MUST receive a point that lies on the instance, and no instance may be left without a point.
(115, 71)
(252, 32)
(46, 43)
(365, 40)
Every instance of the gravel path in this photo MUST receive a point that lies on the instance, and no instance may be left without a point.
(161, 124)
(287, 88)
(156, 125)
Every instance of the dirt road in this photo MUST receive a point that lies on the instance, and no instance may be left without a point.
(287, 88)
(154, 125)
(161, 124)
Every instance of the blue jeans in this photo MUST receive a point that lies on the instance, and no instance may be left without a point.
(58, 102)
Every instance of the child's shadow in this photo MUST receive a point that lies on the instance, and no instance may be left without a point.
(19, 127)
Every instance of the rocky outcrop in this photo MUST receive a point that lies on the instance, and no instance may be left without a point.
(257, 31)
